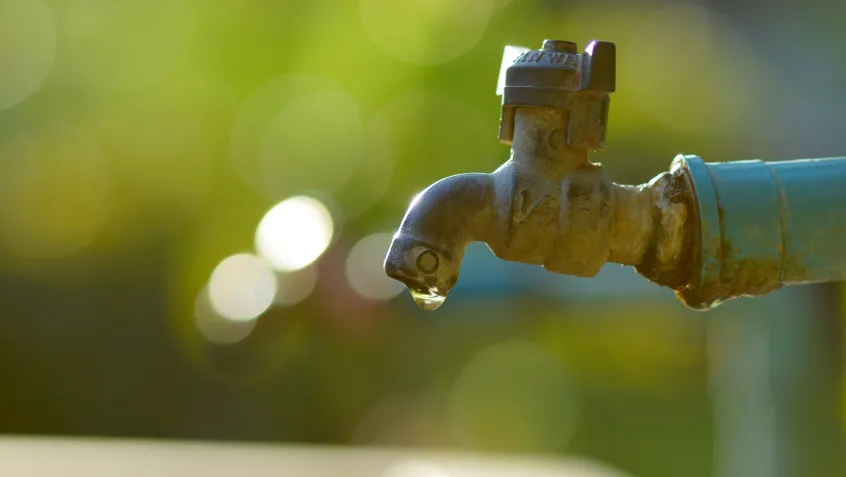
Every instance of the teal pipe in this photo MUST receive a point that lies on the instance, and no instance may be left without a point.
(762, 225)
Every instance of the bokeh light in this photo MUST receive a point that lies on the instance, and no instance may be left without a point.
(294, 233)
(27, 49)
(427, 32)
(56, 191)
(295, 286)
(126, 44)
(514, 395)
(242, 287)
(295, 133)
(364, 269)
(217, 329)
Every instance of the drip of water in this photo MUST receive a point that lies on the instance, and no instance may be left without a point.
(427, 299)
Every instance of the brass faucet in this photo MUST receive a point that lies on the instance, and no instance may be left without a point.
(550, 205)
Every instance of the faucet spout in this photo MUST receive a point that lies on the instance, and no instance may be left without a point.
(426, 252)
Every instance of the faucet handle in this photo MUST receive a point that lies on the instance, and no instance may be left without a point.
(557, 76)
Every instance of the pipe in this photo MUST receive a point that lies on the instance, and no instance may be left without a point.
(761, 225)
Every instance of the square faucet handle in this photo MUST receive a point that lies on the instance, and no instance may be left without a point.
(557, 76)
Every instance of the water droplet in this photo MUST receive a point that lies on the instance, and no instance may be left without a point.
(427, 299)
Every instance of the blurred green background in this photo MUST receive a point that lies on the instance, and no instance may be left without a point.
(196, 198)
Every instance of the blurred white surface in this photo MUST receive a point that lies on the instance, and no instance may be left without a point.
(43, 457)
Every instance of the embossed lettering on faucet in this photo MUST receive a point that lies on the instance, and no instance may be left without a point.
(565, 59)
(526, 207)
(530, 57)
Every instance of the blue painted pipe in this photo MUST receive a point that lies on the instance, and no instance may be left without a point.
(761, 225)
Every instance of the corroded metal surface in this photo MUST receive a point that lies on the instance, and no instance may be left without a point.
(711, 232)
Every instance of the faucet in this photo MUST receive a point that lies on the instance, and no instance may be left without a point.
(709, 231)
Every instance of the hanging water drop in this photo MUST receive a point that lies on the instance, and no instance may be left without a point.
(427, 299)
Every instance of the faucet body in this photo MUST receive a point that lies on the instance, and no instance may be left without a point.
(710, 232)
